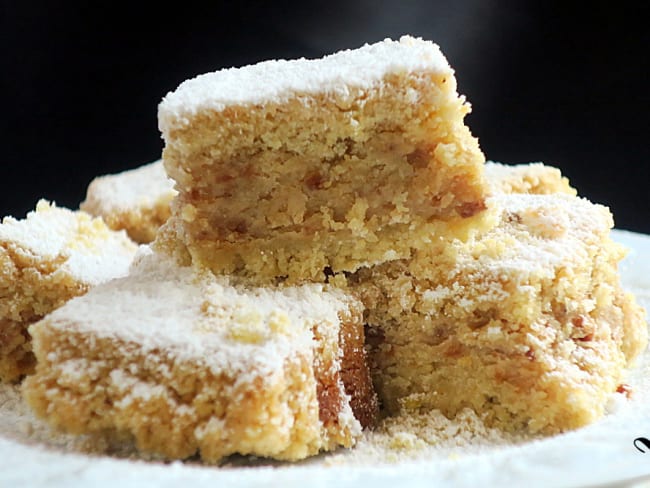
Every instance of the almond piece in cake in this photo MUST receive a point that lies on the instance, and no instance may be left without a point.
(535, 178)
(285, 168)
(47, 258)
(188, 363)
(136, 200)
(527, 324)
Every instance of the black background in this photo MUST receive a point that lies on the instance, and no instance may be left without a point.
(560, 82)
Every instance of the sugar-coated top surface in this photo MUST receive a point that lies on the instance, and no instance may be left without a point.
(143, 186)
(537, 239)
(85, 247)
(538, 233)
(198, 317)
(526, 178)
(276, 80)
(499, 170)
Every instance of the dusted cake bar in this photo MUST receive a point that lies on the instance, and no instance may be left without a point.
(185, 362)
(136, 200)
(47, 258)
(535, 178)
(527, 324)
(286, 168)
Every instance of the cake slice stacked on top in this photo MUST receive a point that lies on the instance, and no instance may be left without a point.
(287, 168)
(47, 258)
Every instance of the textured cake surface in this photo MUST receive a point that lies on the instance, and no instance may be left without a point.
(535, 178)
(286, 168)
(136, 200)
(47, 258)
(185, 362)
(527, 324)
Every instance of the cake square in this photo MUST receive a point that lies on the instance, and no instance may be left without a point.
(47, 258)
(136, 200)
(287, 168)
(187, 363)
(527, 323)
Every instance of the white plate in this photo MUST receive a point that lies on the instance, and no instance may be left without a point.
(601, 454)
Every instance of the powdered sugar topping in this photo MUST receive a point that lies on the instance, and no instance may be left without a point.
(276, 80)
(143, 186)
(198, 317)
(86, 248)
(539, 232)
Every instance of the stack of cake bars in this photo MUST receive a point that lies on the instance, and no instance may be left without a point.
(314, 199)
